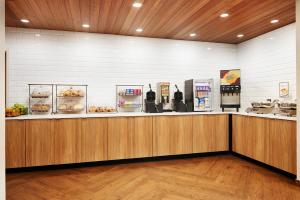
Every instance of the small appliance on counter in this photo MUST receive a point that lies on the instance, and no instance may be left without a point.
(287, 109)
(267, 107)
(199, 95)
(178, 104)
(275, 107)
(230, 89)
(163, 96)
(150, 106)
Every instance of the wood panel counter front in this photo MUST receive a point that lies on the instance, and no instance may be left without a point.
(270, 141)
(39, 142)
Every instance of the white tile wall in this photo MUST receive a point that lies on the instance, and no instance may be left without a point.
(265, 61)
(102, 61)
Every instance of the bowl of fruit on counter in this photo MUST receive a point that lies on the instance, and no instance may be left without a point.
(16, 110)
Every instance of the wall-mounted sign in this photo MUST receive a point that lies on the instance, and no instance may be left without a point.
(230, 77)
(284, 89)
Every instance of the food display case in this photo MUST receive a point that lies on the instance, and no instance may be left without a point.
(41, 98)
(71, 99)
(129, 98)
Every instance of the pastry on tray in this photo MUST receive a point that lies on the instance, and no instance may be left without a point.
(40, 94)
(40, 107)
(71, 93)
(100, 109)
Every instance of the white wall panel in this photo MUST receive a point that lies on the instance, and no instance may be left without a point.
(265, 61)
(102, 61)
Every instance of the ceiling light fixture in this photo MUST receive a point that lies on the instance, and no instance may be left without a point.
(25, 20)
(139, 30)
(193, 34)
(274, 21)
(137, 4)
(37, 35)
(240, 35)
(85, 25)
(223, 15)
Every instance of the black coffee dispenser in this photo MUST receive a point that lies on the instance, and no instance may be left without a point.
(150, 105)
(178, 104)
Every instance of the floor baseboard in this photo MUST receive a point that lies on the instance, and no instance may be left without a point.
(150, 159)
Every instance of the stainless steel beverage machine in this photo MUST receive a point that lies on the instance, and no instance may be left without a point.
(178, 104)
(230, 89)
(163, 96)
(199, 94)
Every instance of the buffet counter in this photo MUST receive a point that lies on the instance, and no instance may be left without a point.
(142, 114)
(39, 140)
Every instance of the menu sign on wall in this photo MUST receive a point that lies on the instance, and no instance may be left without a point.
(284, 89)
(230, 77)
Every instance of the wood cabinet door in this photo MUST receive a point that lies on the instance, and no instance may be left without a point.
(242, 135)
(94, 139)
(210, 133)
(250, 137)
(129, 137)
(259, 144)
(67, 135)
(283, 145)
(239, 134)
(172, 135)
(39, 142)
(15, 143)
(141, 137)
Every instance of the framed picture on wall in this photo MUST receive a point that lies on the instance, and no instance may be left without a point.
(284, 89)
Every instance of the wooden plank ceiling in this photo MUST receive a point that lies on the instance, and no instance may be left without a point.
(173, 19)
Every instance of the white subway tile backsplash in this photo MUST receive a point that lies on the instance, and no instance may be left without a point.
(266, 62)
(102, 61)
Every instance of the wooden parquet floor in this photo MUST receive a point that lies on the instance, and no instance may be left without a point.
(213, 178)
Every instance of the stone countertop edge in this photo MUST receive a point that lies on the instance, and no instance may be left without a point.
(142, 114)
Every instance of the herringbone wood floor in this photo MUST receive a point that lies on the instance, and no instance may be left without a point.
(214, 178)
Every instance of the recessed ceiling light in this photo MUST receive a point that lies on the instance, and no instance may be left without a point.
(240, 35)
(274, 21)
(137, 5)
(223, 15)
(85, 25)
(25, 20)
(193, 34)
(139, 30)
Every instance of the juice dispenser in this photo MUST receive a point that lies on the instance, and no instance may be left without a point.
(230, 89)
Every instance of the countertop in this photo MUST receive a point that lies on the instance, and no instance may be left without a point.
(142, 114)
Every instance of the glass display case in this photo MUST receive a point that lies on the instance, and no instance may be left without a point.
(71, 99)
(129, 98)
(40, 98)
